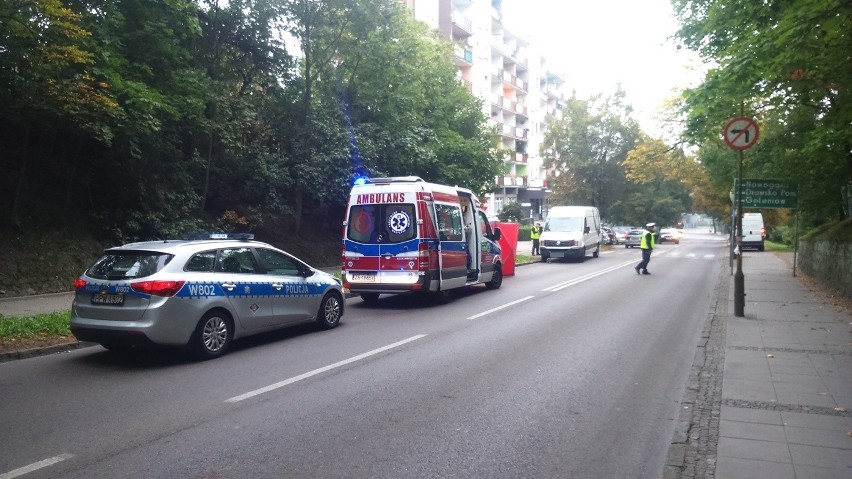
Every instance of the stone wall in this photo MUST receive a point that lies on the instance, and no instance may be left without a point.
(829, 262)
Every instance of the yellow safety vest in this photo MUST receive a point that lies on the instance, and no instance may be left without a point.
(644, 244)
(534, 234)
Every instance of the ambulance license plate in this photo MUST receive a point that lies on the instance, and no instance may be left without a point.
(364, 277)
(109, 299)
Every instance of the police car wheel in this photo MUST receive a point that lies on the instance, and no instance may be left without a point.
(212, 335)
(329, 312)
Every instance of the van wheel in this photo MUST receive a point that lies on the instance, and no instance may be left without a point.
(496, 278)
(212, 335)
(330, 311)
(370, 298)
(544, 257)
(597, 251)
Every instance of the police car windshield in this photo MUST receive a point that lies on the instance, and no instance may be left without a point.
(564, 225)
(128, 265)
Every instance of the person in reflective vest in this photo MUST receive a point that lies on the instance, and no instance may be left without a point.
(535, 234)
(646, 245)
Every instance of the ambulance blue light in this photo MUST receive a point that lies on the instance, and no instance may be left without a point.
(361, 180)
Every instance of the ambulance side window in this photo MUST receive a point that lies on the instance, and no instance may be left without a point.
(276, 263)
(449, 222)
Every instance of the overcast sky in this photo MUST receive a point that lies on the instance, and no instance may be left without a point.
(600, 43)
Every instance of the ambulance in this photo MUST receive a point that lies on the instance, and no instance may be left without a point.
(405, 235)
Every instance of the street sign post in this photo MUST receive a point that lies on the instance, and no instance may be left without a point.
(740, 133)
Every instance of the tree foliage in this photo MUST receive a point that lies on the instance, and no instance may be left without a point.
(584, 149)
(785, 63)
(158, 117)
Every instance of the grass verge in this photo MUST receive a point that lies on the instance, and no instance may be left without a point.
(777, 246)
(38, 326)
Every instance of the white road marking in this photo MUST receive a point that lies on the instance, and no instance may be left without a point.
(36, 466)
(709, 256)
(323, 369)
(587, 277)
(498, 308)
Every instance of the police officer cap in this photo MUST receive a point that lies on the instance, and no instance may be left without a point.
(650, 225)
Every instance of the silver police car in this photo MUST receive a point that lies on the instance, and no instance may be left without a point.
(200, 293)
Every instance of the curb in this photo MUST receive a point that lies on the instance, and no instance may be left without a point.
(35, 352)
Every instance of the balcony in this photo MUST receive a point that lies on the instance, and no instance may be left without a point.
(462, 27)
(512, 181)
(463, 56)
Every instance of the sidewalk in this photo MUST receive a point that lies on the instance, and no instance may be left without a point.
(780, 407)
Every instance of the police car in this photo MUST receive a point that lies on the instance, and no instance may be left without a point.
(200, 293)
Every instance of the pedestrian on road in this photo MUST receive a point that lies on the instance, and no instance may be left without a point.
(646, 245)
(535, 234)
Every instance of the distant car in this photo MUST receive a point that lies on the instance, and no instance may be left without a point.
(633, 238)
(621, 232)
(669, 235)
(200, 293)
(609, 236)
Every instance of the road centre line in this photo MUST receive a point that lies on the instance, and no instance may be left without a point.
(499, 307)
(587, 277)
(36, 466)
(323, 369)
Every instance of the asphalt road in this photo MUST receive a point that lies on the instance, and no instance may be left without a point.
(568, 370)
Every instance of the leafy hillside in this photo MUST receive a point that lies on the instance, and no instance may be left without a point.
(41, 261)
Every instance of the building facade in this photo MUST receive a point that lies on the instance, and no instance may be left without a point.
(519, 94)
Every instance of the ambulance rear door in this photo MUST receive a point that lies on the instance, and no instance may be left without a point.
(381, 244)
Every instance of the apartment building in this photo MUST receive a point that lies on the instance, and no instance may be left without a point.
(519, 94)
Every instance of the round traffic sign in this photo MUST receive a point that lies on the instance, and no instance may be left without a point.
(741, 133)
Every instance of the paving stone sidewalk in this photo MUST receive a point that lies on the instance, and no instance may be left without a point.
(769, 392)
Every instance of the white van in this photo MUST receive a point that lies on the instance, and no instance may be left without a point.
(404, 234)
(753, 231)
(571, 232)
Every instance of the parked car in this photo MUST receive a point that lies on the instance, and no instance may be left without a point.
(669, 235)
(609, 236)
(199, 293)
(634, 238)
(621, 232)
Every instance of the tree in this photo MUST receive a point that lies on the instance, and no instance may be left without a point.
(784, 62)
(664, 176)
(584, 148)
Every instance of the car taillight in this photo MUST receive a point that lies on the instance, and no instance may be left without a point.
(157, 288)
(423, 256)
(79, 283)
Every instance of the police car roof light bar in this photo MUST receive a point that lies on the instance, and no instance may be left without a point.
(392, 179)
(221, 236)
